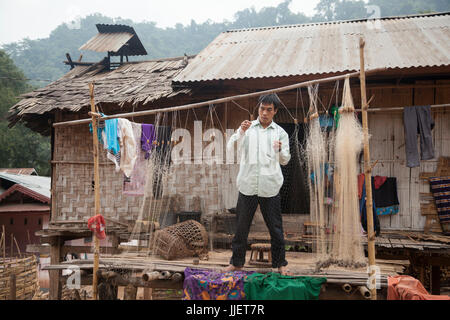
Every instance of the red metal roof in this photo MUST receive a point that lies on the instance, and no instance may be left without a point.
(26, 191)
(21, 207)
(28, 171)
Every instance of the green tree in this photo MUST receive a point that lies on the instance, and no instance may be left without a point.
(19, 146)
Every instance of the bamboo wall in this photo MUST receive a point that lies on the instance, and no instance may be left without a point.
(73, 176)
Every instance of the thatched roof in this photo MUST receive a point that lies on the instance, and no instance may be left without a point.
(133, 83)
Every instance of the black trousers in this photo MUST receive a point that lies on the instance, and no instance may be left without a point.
(271, 211)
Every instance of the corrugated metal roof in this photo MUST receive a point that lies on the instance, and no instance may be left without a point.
(104, 42)
(396, 42)
(113, 38)
(38, 184)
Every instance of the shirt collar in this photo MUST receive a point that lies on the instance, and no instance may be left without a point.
(271, 125)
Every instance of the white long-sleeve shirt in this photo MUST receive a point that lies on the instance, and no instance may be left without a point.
(259, 171)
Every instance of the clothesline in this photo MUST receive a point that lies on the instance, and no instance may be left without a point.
(378, 109)
(221, 100)
(401, 108)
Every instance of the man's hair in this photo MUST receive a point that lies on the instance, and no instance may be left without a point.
(271, 98)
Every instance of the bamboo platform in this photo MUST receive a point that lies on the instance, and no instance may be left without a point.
(135, 264)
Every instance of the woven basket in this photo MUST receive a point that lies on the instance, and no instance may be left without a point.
(27, 280)
(181, 240)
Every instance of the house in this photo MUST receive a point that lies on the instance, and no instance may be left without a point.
(411, 53)
(24, 208)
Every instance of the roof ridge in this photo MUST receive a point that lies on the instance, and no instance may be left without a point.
(422, 15)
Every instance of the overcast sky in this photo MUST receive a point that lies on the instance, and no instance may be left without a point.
(35, 19)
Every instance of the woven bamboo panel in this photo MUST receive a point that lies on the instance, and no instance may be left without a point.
(212, 183)
(73, 175)
(27, 279)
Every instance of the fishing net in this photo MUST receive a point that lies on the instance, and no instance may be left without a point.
(333, 169)
(188, 179)
(347, 249)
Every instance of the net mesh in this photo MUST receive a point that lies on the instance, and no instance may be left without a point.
(320, 180)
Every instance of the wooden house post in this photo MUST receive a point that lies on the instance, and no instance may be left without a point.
(96, 189)
(367, 174)
(55, 289)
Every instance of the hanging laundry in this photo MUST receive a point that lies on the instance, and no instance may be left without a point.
(326, 121)
(211, 285)
(147, 138)
(440, 187)
(336, 115)
(391, 210)
(100, 129)
(97, 225)
(418, 120)
(386, 194)
(378, 181)
(127, 147)
(274, 286)
(363, 211)
(112, 138)
(135, 185)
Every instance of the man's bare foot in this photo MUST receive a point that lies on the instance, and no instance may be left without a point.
(231, 268)
(284, 271)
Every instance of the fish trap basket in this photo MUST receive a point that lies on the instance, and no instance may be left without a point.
(181, 240)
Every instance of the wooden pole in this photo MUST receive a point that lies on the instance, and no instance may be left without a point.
(18, 248)
(96, 190)
(12, 287)
(367, 173)
(3, 242)
(12, 246)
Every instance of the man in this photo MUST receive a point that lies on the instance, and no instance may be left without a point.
(262, 146)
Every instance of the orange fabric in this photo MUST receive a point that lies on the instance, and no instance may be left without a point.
(97, 224)
(409, 288)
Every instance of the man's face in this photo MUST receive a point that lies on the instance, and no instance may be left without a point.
(266, 113)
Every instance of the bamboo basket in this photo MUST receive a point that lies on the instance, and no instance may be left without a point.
(181, 240)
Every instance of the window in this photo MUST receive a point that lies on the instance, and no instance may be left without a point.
(39, 221)
(25, 221)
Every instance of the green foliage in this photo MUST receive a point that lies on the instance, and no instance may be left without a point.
(23, 148)
(19, 147)
(331, 10)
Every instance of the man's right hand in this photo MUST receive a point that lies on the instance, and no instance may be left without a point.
(245, 125)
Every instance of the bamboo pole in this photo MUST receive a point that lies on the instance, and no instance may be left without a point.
(96, 190)
(3, 242)
(220, 100)
(367, 173)
(12, 246)
(17, 246)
